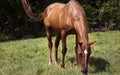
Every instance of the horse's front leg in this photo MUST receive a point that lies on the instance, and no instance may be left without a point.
(76, 53)
(49, 37)
(57, 40)
(64, 48)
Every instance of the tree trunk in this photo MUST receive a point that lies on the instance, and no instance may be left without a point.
(0, 26)
(10, 25)
(36, 29)
(25, 25)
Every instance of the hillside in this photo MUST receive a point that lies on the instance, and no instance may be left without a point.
(30, 57)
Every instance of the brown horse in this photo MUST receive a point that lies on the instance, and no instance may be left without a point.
(65, 19)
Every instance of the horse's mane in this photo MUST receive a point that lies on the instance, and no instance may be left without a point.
(78, 13)
(76, 8)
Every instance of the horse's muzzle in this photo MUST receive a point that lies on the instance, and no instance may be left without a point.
(84, 70)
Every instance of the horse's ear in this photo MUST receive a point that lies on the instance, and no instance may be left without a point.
(90, 43)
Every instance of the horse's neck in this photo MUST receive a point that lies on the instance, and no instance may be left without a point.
(84, 30)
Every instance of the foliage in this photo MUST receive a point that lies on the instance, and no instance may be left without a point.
(109, 13)
(30, 57)
(15, 23)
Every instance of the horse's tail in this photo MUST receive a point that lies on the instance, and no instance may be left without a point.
(27, 8)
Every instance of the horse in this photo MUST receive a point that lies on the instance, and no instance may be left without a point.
(65, 19)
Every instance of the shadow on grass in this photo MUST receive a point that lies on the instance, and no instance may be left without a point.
(99, 64)
(96, 64)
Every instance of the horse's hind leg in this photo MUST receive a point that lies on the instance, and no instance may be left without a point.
(49, 37)
(64, 48)
(57, 40)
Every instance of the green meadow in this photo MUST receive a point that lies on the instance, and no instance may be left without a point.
(30, 56)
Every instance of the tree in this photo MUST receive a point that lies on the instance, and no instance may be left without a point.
(15, 24)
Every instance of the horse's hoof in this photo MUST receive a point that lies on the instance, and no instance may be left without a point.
(55, 62)
(75, 64)
(62, 66)
(50, 63)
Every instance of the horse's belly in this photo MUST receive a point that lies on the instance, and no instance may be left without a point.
(53, 22)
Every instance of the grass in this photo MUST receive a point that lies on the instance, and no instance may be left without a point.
(30, 57)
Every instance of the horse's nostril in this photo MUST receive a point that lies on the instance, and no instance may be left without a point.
(84, 71)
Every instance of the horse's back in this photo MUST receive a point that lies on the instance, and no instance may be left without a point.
(58, 15)
(52, 14)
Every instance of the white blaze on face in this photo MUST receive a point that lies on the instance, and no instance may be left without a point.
(85, 52)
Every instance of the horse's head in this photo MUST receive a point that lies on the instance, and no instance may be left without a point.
(84, 54)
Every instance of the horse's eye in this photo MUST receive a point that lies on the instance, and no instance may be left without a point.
(81, 55)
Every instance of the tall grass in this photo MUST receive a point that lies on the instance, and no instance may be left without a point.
(30, 57)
